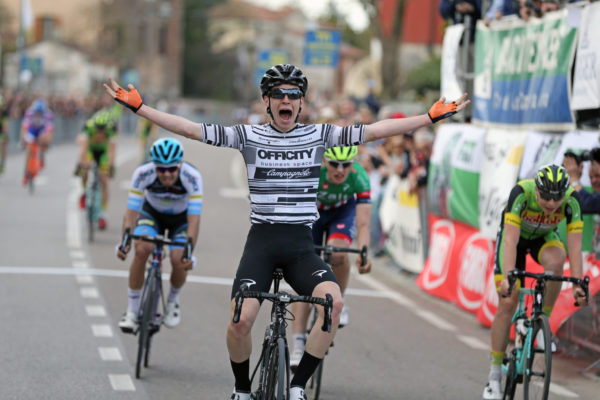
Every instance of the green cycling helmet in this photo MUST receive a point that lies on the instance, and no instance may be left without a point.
(341, 153)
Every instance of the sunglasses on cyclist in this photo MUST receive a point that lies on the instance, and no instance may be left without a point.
(551, 196)
(292, 94)
(162, 170)
(336, 164)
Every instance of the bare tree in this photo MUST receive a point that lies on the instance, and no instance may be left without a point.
(390, 36)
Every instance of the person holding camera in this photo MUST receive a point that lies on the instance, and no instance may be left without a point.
(573, 163)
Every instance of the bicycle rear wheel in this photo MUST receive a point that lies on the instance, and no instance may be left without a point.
(148, 299)
(275, 374)
(539, 363)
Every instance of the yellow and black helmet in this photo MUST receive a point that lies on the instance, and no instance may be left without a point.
(552, 181)
(346, 153)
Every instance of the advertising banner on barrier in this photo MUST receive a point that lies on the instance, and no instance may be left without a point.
(453, 183)
(586, 79)
(522, 72)
(499, 171)
(459, 259)
(399, 214)
(450, 81)
(541, 148)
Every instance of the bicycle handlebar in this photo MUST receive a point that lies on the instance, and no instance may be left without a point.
(332, 249)
(283, 297)
(159, 240)
(516, 274)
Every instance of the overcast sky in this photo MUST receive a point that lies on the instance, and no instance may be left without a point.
(354, 12)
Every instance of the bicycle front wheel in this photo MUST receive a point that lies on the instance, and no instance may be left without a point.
(275, 373)
(539, 362)
(315, 382)
(511, 378)
(147, 301)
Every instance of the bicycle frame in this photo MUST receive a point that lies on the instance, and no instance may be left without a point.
(518, 366)
(93, 200)
(32, 167)
(275, 336)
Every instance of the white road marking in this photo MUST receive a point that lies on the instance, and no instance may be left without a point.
(110, 354)
(381, 288)
(80, 264)
(102, 330)
(473, 342)
(121, 382)
(89, 292)
(95, 311)
(436, 321)
(78, 254)
(84, 279)
(561, 391)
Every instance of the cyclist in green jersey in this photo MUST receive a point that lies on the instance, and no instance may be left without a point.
(97, 143)
(529, 225)
(344, 203)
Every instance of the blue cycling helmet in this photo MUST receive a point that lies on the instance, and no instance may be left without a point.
(166, 151)
(38, 106)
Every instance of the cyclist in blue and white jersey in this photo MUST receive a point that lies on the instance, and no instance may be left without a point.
(37, 126)
(283, 161)
(165, 194)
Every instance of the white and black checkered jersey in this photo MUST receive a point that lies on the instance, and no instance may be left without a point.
(283, 168)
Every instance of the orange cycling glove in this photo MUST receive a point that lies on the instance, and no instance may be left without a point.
(439, 111)
(130, 99)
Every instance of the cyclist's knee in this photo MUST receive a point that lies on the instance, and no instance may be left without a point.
(340, 260)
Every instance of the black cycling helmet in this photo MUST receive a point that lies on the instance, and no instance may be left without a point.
(552, 181)
(280, 74)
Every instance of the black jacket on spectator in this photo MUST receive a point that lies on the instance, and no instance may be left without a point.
(589, 202)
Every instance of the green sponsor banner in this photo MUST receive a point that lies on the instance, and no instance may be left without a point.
(453, 184)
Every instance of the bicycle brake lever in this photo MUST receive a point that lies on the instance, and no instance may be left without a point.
(363, 255)
(327, 313)
(126, 239)
(239, 299)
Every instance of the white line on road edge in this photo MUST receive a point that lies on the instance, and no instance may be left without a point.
(473, 342)
(89, 292)
(561, 391)
(121, 382)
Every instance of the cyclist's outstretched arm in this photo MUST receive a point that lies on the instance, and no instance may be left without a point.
(174, 123)
(363, 223)
(510, 239)
(392, 127)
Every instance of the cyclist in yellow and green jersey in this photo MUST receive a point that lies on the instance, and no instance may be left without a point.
(97, 143)
(529, 226)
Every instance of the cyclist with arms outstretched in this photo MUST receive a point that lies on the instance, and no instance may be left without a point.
(283, 160)
(344, 203)
(529, 225)
(97, 143)
(165, 194)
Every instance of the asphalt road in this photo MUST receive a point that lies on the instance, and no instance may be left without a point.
(61, 298)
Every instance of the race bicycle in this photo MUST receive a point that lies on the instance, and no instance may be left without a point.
(530, 362)
(32, 165)
(93, 201)
(313, 389)
(274, 360)
(152, 303)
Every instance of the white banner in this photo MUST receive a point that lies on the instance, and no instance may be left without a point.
(499, 171)
(540, 149)
(450, 82)
(586, 80)
(578, 140)
(400, 220)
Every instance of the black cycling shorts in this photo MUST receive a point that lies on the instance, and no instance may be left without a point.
(288, 246)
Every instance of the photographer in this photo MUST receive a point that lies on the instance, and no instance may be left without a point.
(573, 163)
